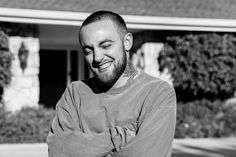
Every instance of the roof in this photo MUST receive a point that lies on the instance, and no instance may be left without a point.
(220, 9)
(193, 15)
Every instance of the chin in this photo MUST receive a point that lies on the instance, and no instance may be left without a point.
(107, 80)
(111, 75)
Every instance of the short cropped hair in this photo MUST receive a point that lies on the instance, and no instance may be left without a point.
(107, 15)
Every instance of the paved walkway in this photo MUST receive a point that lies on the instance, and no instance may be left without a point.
(224, 147)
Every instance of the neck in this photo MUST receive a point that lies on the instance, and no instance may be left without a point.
(129, 74)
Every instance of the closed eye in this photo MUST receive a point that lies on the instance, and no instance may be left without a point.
(105, 46)
(87, 51)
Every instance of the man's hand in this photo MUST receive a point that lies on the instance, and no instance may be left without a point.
(121, 136)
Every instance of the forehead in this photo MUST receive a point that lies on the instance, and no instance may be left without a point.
(99, 30)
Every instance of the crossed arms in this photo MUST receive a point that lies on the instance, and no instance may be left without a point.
(153, 137)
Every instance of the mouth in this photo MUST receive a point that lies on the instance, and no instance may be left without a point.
(104, 66)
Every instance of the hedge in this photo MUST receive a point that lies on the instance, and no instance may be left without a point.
(204, 118)
(200, 118)
(202, 65)
(5, 63)
(29, 125)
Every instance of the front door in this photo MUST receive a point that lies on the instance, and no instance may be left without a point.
(52, 76)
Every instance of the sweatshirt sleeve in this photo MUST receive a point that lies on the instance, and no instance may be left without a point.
(67, 139)
(156, 125)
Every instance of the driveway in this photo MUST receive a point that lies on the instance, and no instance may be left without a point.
(223, 147)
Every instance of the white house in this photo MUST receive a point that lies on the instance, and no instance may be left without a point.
(54, 58)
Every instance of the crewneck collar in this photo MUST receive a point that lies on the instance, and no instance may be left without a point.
(117, 90)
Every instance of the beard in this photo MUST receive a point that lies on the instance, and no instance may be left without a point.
(109, 78)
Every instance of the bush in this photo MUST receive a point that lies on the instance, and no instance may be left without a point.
(204, 118)
(29, 125)
(5, 63)
(202, 65)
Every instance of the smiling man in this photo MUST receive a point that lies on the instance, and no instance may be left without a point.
(104, 50)
(120, 112)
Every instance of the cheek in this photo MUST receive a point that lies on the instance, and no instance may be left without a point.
(117, 52)
(89, 59)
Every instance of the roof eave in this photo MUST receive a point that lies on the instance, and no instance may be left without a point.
(133, 21)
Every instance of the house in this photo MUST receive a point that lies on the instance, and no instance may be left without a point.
(53, 52)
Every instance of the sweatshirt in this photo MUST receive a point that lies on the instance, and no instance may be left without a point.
(135, 120)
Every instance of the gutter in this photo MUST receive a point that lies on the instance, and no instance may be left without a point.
(133, 22)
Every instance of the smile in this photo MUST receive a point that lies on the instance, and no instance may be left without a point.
(104, 66)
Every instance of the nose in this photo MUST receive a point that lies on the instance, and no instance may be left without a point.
(97, 56)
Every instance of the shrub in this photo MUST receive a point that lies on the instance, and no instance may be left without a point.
(202, 65)
(229, 118)
(5, 63)
(25, 126)
(204, 118)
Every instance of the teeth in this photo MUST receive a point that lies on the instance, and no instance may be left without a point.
(104, 66)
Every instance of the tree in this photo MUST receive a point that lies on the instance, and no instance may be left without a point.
(202, 65)
(5, 63)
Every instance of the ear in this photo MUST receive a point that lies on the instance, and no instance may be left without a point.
(128, 41)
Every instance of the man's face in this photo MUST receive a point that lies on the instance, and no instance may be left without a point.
(104, 50)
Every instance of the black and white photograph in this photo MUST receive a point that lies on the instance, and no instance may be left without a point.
(117, 78)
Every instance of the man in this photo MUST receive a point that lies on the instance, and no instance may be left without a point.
(120, 112)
